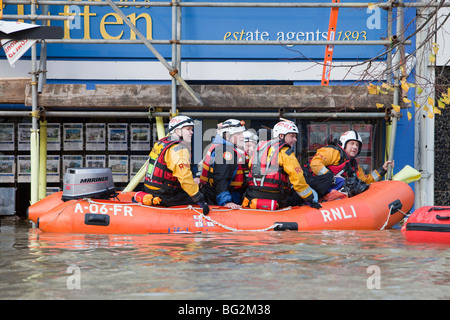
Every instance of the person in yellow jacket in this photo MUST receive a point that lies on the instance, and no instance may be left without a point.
(169, 181)
(335, 163)
(276, 179)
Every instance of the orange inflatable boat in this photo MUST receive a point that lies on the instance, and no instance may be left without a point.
(428, 224)
(384, 204)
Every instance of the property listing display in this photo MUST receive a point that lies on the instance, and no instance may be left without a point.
(121, 146)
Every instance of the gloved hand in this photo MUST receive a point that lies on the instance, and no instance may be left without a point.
(314, 204)
(199, 198)
(315, 196)
(312, 200)
(204, 206)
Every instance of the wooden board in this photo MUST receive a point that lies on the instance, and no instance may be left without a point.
(12, 90)
(215, 97)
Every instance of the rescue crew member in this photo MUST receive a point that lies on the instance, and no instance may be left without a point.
(222, 175)
(276, 177)
(168, 181)
(336, 162)
(250, 143)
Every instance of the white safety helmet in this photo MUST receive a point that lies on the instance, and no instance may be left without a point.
(351, 135)
(249, 136)
(231, 126)
(284, 127)
(179, 122)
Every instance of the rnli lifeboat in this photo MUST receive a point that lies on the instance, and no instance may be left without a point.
(79, 208)
(428, 224)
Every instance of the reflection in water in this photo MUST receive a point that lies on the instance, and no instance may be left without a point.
(267, 265)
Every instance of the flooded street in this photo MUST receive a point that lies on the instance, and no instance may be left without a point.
(239, 266)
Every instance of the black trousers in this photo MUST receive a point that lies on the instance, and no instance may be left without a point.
(172, 198)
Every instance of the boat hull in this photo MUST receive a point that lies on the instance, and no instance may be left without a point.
(370, 210)
(428, 224)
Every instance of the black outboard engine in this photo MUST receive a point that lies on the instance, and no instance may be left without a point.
(88, 183)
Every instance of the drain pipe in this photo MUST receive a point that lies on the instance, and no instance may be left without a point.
(397, 74)
(423, 125)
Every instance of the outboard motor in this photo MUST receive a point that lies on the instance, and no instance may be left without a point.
(88, 183)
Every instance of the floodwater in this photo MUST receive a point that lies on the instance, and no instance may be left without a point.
(231, 266)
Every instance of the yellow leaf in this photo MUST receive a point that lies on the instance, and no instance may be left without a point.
(396, 107)
(409, 116)
(416, 105)
(436, 110)
(419, 90)
(405, 86)
(425, 108)
(412, 85)
(435, 48)
(430, 115)
(372, 89)
(448, 92)
(371, 6)
(406, 100)
(430, 101)
(379, 105)
(441, 104)
(386, 86)
(446, 100)
(432, 58)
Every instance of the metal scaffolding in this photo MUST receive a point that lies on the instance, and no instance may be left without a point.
(177, 42)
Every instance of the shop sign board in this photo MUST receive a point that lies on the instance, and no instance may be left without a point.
(211, 23)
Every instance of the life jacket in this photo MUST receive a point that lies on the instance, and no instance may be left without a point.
(158, 175)
(266, 174)
(245, 166)
(337, 168)
(206, 176)
(344, 161)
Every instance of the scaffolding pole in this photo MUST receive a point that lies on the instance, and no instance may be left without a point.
(201, 114)
(172, 71)
(397, 75)
(384, 5)
(34, 136)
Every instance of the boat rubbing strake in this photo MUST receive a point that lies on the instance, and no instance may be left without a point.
(75, 210)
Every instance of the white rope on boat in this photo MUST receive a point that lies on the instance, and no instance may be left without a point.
(190, 207)
(231, 228)
(389, 215)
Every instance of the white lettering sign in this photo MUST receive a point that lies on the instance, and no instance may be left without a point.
(339, 213)
(104, 209)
